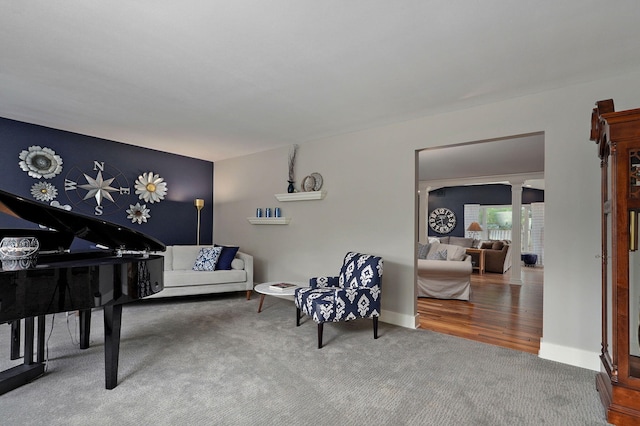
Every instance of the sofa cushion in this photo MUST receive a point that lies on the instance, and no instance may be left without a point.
(168, 258)
(437, 255)
(237, 264)
(186, 278)
(453, 252)
(184, 256)
(226, 257)
(460, 241)
(423, 250)
(497, 245)
(207, 259)
(486, 245)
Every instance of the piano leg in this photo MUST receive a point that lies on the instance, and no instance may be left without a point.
(85, 328)
(28, 340)
(112, 323)
(15, 339)
(40, 349)
(28, 370)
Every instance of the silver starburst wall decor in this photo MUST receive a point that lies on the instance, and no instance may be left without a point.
(43, 191)
(138, 213)
(150, 187)
(40, 162)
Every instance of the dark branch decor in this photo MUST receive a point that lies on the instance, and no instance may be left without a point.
(292, 162)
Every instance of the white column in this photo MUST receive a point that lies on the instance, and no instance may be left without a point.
(516, 231)
(526, 224)
(537, 230)
(423, 206)
(471, 214)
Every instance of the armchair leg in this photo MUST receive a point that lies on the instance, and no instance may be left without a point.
(320, 335)
(297, 317)
(375, 327)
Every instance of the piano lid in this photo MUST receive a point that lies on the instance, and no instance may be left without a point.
(95, 230)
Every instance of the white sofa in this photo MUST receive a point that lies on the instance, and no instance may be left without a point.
(181, 280)
(445, 279)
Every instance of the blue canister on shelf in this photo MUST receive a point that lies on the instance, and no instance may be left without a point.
(267, 212)
(258, 212)
(278, 212)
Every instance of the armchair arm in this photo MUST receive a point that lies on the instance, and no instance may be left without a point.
(323, 282)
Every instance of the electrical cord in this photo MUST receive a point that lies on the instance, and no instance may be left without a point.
(74, 341)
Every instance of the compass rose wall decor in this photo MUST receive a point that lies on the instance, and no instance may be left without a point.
(101, 186)
(108, 180)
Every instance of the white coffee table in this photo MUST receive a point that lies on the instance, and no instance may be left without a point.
(288, 293)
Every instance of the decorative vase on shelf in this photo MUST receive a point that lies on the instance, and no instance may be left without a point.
(291, 188)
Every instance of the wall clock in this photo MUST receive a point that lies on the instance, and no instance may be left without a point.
(442, 220)
(101, 187)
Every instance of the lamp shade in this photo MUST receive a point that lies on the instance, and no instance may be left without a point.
(474, 227)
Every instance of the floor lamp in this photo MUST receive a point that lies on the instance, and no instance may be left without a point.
(199, 203)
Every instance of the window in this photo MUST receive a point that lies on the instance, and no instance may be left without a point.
(496, 223)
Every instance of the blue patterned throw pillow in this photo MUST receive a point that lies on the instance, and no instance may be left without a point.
(207, 259)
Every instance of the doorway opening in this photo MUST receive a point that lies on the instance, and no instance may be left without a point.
(515, 296)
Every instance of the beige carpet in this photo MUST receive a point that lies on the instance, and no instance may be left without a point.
(216, 361)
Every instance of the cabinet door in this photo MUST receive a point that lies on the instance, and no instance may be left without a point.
(633, 300)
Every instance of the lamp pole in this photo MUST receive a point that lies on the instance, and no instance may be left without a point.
(199, 204)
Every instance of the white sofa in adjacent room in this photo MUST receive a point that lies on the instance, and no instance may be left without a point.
(448, 278)
(181, 280)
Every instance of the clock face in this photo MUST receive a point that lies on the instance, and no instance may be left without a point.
(442, 220)
(102, 188)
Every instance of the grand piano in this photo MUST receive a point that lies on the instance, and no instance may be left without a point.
(121, 269)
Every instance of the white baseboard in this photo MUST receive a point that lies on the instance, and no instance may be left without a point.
(569, 355)
(401, 320)
(550, 351)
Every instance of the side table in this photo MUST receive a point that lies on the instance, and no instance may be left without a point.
(264, 289)
(479, 254)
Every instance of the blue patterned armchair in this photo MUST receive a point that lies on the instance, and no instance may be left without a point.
(354, 294)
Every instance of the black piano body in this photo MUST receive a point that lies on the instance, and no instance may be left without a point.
(62, 281)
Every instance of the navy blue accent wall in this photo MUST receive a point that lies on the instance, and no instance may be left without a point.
(173, 220)
(454, 198)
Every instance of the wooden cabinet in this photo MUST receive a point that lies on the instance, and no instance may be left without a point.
(618, 137)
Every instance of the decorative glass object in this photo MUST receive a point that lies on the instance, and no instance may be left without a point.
(18, 252)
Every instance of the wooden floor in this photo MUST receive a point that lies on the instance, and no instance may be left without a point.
(498, 313)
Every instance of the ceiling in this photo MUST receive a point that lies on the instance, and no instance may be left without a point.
(482, 162)
(219, 78)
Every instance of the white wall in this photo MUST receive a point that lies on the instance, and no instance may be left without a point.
(370, 206)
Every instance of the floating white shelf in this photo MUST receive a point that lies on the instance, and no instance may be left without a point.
(269, 220)
(302, 196)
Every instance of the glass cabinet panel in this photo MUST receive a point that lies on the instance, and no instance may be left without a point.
(634, 302)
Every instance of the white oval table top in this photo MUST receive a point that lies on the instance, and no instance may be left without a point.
(264, 288)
